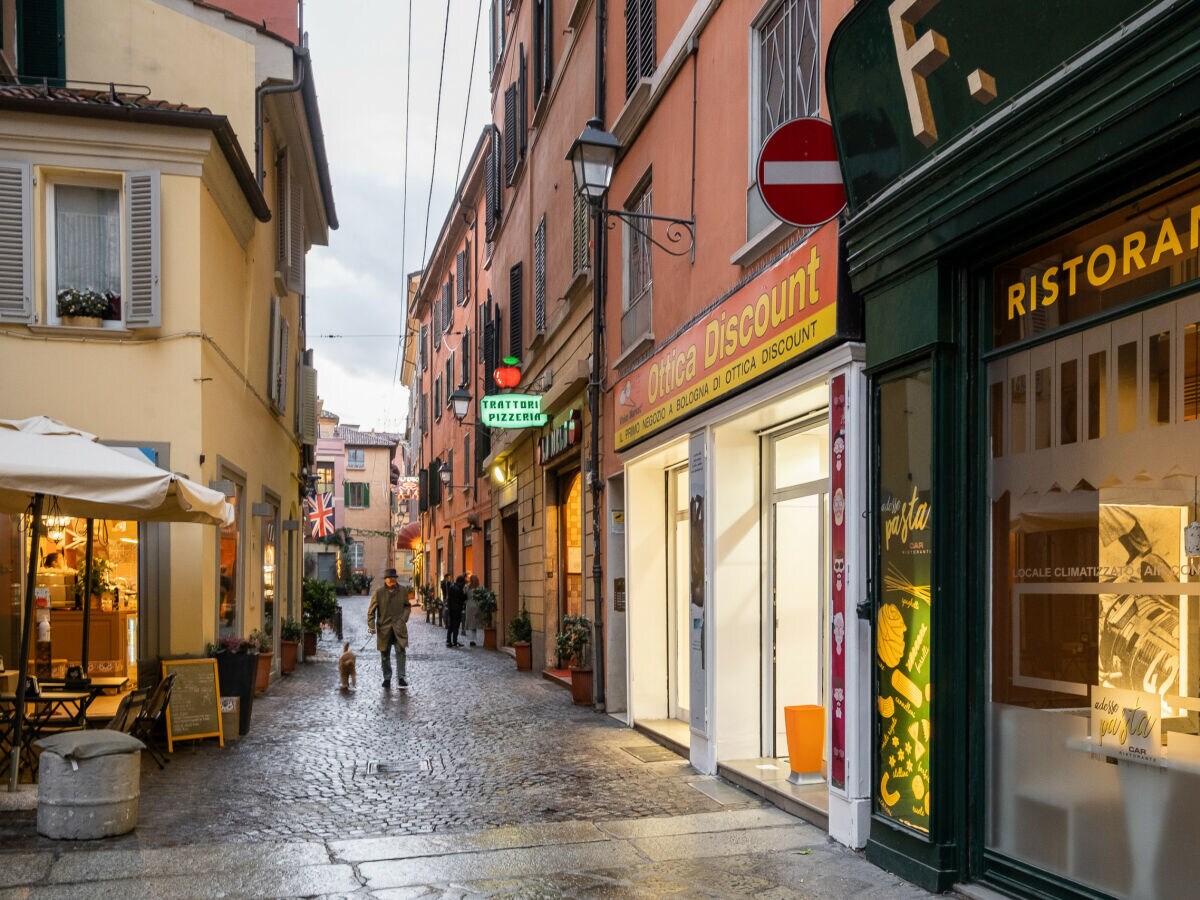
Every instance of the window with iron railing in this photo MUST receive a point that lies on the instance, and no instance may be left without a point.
(639, 280)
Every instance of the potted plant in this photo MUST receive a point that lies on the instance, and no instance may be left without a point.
(97, 584)
(574, 638)
(317, 607)
(485, 603)
(520, 633)
(237, 666)
(262, 676)
(290, 634)
(86, 308)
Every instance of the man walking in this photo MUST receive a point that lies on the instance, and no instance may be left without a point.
(456, 602)
(387, 619)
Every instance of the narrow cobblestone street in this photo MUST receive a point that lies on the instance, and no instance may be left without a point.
(478, 780)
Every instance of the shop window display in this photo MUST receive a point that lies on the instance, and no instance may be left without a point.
(230, 595)
(1094, 690)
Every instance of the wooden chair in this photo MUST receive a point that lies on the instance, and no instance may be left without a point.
(153, 712)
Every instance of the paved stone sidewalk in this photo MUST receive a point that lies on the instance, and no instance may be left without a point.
(477, 780)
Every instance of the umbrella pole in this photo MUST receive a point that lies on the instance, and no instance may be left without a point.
(23, 658)
(87, 595)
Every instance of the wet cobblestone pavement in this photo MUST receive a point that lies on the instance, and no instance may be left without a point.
(478, 775)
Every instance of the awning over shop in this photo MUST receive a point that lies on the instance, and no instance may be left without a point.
(408, 536)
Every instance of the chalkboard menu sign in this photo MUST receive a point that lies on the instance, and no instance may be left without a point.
(195, 709)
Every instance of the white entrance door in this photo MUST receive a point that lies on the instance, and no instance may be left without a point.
(796, 595)
(678, 547)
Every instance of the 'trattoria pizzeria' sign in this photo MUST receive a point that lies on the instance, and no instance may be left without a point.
(512, 410)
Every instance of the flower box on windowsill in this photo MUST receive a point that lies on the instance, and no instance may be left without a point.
(83, 321)
(92, 333)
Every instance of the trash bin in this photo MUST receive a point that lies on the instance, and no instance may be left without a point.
(806, 742)
(89, 783)
(230, 716)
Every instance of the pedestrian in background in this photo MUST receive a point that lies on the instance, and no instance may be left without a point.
(387, 619)
(456, 602)
(471, 622)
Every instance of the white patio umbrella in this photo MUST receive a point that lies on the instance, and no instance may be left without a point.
(42, 459)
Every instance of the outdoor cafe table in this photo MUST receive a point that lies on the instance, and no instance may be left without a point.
(47, 713)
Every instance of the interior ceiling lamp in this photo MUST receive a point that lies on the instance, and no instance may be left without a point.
(593, 156)
(508, 375)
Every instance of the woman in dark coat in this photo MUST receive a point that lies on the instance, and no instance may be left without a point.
(456, 602)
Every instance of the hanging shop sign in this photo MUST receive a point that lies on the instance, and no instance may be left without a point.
(508, 375)
(905, 77)
(766, 325)
(561, 438)
(512, 411)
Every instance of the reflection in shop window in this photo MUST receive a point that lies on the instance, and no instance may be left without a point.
(1041, 409)
(230, 595)
(1097, 402)
(268, 572)
(1191, 372)
(1158, 356)
(1127, 411)
(1017, 416)
(1068, 375)
(996, 405)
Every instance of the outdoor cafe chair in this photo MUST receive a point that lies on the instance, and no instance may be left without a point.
(153, 712)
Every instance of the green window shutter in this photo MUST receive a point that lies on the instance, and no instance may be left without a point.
(41, 49)
(143, 306)
(16, 244)
(346, 493)
(366, 494)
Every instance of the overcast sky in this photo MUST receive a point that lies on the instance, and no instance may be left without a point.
(356, 284)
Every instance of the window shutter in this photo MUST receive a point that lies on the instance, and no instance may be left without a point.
(273, 352)
(514, 311)
(308, 418)
(466, 356)
(489, 190)
(296, 236)
(547, 44)
(437, 397)
(435, 313)
(281, 211)
(366, 495)
(539, 278)
(435, 483)
(510, 133)
(16, 243)
(483, 448)
(282, 369)
(424, 349)
(466, 272)
(143, 308)
(346, 493)
(640, 36)
(523, 103)
(579, 235)
(41, 52)
(422, 490)
(488, 351)
(539, 13)
(492, 54)
(447, 305)
(460, 281)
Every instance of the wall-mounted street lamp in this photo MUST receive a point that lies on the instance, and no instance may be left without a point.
(446, 474)
(460, 401)
(593, 156)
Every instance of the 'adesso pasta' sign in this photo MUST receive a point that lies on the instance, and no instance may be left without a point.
(769, 323)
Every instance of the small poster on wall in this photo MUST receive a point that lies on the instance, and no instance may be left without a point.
(1126, 724)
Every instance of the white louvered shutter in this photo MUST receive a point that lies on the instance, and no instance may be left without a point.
(143, 308)
(308, 420)
(283, 368)
(273, 352)
(16, 244)
(295, 235)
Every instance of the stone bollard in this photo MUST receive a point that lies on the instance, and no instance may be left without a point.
(89, 784)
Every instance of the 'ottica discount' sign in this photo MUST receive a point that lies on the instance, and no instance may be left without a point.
(772, 321)
(512, 411)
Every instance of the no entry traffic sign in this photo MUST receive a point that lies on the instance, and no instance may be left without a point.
(798, 174)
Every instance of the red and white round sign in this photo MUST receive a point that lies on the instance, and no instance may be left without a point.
(799, 178)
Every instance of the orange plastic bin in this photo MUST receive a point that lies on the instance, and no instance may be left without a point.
(806, 741)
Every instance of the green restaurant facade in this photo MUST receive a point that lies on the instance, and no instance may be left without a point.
(1023, 182)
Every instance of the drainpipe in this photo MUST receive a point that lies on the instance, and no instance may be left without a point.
(300, 54)
(598, 263)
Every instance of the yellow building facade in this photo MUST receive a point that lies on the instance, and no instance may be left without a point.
(146, 193)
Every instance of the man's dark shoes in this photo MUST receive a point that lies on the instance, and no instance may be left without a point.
(387, 685)
(402, 683)
(472, 643)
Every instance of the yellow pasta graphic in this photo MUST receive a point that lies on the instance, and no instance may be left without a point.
(904, 685)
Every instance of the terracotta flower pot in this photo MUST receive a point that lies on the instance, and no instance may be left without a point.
(310, 644)
(581, 686)
(524, 653)
(489, 638)
(262, 677)
(289, 651)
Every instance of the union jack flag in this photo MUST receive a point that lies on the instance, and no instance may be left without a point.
(320, 515)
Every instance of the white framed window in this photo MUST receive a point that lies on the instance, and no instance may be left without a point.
(785, 80)
(358, 495)
(102, 247)
(637, 275)
(356, 458)
(355, 552)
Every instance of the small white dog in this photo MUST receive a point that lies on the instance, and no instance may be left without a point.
(347, 668)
